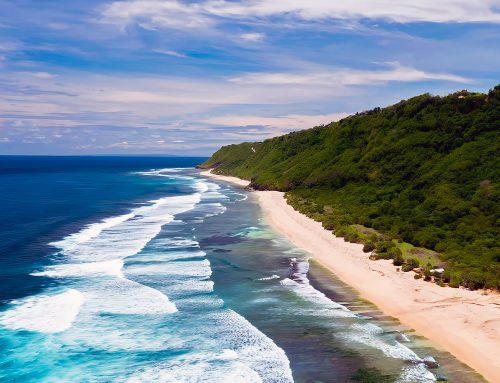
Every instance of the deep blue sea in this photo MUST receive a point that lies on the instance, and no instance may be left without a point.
(132, 269)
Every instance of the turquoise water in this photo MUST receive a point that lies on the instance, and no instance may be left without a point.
(179, 279)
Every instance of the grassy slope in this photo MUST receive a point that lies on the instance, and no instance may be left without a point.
(424, 171)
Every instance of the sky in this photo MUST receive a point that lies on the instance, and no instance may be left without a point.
(184, 77)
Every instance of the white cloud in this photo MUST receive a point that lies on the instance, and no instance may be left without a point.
(58, 26)
(254, 37)
(153, 14)
(43, 75)
(188, 108)
(396, 72)
(170, 53)
(288, 122)
(9, 46)
(184, 15)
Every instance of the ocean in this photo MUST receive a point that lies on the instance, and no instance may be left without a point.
(135, 269)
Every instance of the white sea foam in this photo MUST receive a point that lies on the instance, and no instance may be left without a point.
(227, 355)
(91, 231)
(164, 254)
(310, 294)
(402, 337)
(244, 197)
(113, 268)
(109, 303)
(48, 314)
(176, 242)
(99, 249)
(234, 373)
(200, 268)
(123, 296)
(201, 186)
(161, 172)
(111, 334)
(254, 349)
(212, 193)
(197, 371)
(269, 278)
(233, 351)
(416, 373)
(192, 286)
(127, 237)
(368, 328)
(365, 333)
(392, 349)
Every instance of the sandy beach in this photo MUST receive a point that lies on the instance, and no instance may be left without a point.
(462, 322)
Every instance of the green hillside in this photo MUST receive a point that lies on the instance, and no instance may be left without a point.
(416, 181)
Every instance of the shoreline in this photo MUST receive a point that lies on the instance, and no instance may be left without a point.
(465, 323)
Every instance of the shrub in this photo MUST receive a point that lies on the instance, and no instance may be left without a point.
(398, 259)
(395, 253)
(369, 246)
(383, 256)
(328, 225)
(492, 282)
(427, 275)
(352, 237)
(410, 264)
(417, 276)
(406, 268)
(446, 277)
(384, 246)
(473, 280)
(454, 282)
(340, 231)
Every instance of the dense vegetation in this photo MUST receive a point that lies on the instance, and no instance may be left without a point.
(416, 182)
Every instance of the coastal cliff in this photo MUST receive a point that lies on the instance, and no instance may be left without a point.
(416, 182)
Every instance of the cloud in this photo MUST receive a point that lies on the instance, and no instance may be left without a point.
(254, 37)
(152, 14)
(288, 122)
(43, 75)
(9, 46)
(396, 72)
(167, 100)
(185, 15)
(170, 53)
(195, 113)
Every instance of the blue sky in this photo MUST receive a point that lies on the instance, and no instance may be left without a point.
(185, 77)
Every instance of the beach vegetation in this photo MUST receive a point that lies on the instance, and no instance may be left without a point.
(454, 282)
(422, 174)
(398, 259)
(369, 246)
(410, 264)
(427, 275)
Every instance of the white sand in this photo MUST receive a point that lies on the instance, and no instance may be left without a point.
(462, 322)
(233, 180)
